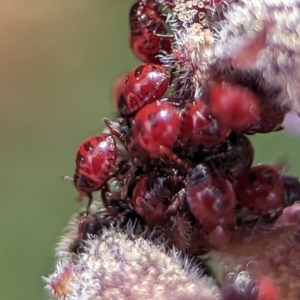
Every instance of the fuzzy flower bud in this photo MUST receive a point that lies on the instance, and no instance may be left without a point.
(117, 267)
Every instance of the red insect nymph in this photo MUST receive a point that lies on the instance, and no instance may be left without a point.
(146, 203)
(149, 36)
(235, 106)
(95, 160)
(143, 85)
(198, 125)
(211, 200)
(260, 189)
(156, 125)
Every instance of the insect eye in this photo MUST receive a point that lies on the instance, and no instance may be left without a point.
(199, 174)
(87, 146)
(79, 158)
(252, 178)
(138, 71)
(122, 105)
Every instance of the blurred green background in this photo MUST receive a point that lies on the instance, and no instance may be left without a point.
(58, 60)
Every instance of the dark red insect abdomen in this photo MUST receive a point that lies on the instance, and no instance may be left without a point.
(260, 189)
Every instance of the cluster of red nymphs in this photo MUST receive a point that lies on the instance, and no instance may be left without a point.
(177, 161)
